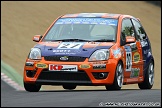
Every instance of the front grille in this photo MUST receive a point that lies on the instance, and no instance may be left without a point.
(70, 58)
(63, 76)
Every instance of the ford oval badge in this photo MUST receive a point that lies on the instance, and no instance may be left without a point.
(64, 58)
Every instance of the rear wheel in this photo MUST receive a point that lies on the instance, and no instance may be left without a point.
(70, 87)
(31, 87)
(118, 79)
(149, 78)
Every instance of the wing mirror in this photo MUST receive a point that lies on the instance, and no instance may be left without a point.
(130, 39)
(138, 19)
(37, 38)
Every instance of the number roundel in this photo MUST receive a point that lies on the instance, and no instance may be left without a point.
(68, 45)
(128, 61)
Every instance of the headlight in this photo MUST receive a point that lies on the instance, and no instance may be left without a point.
(35, 53)
(102, 54)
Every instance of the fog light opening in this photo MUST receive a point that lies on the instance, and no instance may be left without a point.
(101, 75)
(30, 73)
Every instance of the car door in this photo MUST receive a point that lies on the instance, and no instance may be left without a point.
(133, 52)
(143, 41)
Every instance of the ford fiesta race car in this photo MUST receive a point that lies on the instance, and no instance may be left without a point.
(91, 49)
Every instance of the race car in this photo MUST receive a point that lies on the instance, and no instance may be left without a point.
(91, 49)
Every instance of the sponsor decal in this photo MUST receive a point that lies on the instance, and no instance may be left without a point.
(127, 48)
(132, 79)
(87, 21)
(53, 67)
(41, 65)
(147, 51)
(84, 66)
(136, 57)
(66, 52)
(64, 58)
(144, 43)
(117, 53)
(135, 72)
(133, 47)
(61, 51)
(99, 66)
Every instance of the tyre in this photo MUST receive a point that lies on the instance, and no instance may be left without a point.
(118, 78)
(31, 87)
(70, 87)
(148, 78)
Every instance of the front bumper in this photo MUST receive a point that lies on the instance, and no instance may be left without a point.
(87, 74)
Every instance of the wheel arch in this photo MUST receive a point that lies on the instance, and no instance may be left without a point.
(145, 69)
(120, 60)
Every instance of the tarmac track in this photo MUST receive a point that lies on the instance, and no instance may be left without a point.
(75, 98)
(21, 20)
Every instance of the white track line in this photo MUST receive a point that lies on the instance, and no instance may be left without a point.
(10, 82)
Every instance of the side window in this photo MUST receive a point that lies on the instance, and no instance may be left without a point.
(127, 30)
(139, 30)
(127, 27)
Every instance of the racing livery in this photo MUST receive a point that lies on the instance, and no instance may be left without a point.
(91, 49)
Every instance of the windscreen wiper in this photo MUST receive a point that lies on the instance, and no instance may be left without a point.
(103, 40)
(66, 40)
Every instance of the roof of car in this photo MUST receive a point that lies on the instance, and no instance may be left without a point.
(100, 15)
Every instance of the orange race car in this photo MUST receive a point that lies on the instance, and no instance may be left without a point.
(91, 49)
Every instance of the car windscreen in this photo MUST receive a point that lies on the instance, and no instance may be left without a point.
(83, 29)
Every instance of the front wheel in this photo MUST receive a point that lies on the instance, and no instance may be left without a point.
(31, 87)
(118, 79)
(70, 87)
(148, 78)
